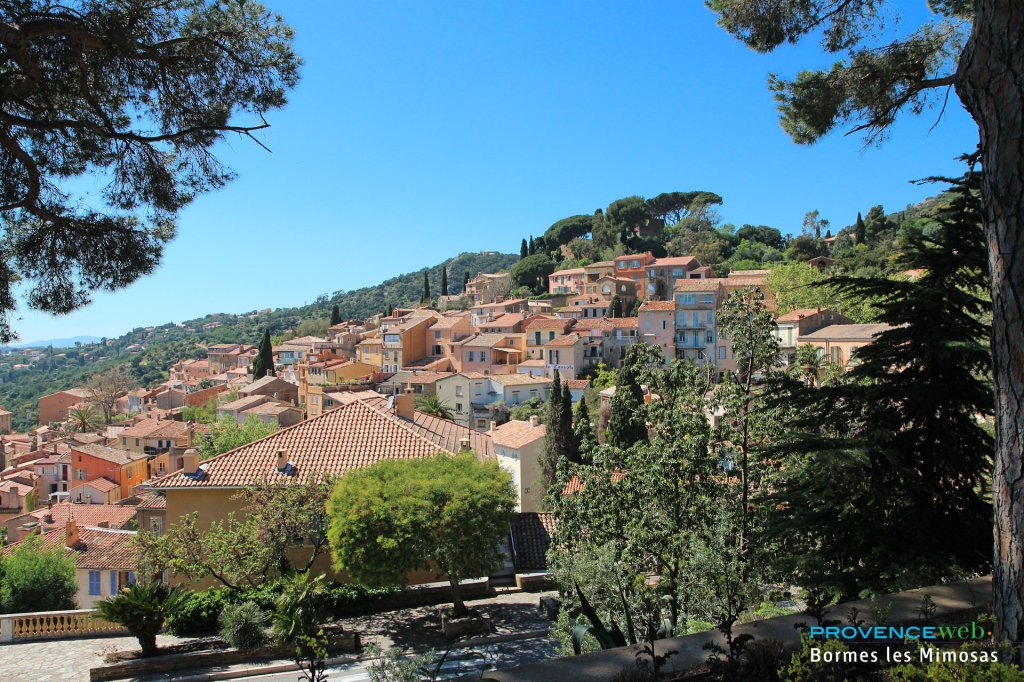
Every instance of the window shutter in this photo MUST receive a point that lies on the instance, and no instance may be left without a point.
(113, 583)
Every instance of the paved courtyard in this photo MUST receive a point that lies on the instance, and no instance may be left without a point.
(64, 660)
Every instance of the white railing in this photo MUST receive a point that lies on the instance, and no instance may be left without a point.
(17, 627)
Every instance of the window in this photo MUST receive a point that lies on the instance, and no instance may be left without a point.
(113, 582)
(721, 352)
(94, 583)
(677, 272)
(551, 336)
(458, 407)
(664, 324)
(437, 335)
(710, 317)
(536, 338)
(483, 356)
(686, 335)
(533, 393)
(647, 323)
(709, 337)
(136, 442)
(472, 356)
(458, 391)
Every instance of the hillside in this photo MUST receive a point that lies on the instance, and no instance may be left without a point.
(163, 345)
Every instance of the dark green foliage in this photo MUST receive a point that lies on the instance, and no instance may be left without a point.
(199, 612)
(533, 272)
(568, 436)
(335, 316)
(78, 100)
(887, 482)
(560, 444)
(426, 287)
(37, 579)
(524, 250)
(627, 423)
(142, 608)
(615, 307)
(625, 216)
(567, 229)
(444, 281)
(860, 231)
(674, 206)
(533, 247)
(243, 625)
(582, 429)
(389, 310)
(263, 363)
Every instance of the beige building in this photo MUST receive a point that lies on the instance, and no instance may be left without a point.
(839, 343)
(518, 446)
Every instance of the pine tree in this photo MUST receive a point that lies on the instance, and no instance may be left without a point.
(860, 232)
(532, 248)
(627, 425)
(524, 250)
(886, 481)
(263, 363)
(426, 287)
(615, 307)
(335, 316)
(636, 308)
(389, 310)
(444, 281)
(554, 434)
(465, 280)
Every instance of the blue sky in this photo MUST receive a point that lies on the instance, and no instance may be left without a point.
(420, 130)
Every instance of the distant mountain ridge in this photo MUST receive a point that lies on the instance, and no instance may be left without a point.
(56, 343)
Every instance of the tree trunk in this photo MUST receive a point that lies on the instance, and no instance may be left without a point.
(990, 82)
(147, 642)
(460, 606)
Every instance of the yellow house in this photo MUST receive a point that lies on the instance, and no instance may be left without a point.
(353, 436)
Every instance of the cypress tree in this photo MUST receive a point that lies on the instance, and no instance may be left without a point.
(860, 232)
(335, 316)
(636, 308)
(532, 248)
(615, 307)
(263, 363)
(524, 250)
(885, 485)
(426, 287)
(582, 428)
(554, 434)
(465, 279)
(626, 425)
(571, 450)
(444, 281)
(390, 309)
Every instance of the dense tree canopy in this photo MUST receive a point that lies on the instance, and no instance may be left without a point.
(133, 92)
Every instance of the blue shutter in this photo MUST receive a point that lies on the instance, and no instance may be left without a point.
(94, 582)
(131, 577)
(113, 583)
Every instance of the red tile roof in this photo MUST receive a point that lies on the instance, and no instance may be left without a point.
(624, 322)
(658, 306)
(548, 323)
(97, 548)
(531, 537)
(797, 315)
(515, 434)
(350, 437)
(85, 514)
(560, 341)
(113, 455)
(101, 484)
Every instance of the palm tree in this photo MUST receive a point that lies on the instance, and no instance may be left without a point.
(82, 419)
(809, 363)
(432, 405)
(142, 609)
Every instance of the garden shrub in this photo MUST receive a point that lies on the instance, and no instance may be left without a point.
(243, 625)
(198, 613)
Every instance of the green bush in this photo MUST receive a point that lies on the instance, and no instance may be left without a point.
(243, 625)
(198, 613)
(36, 579)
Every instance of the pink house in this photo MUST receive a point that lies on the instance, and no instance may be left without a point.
(569, 281)
(489, 353)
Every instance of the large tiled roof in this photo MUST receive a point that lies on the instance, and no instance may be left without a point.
(600, 324)
(350, 437)
(846, 332)
(515, 434)
(261, 383)
(657, 306)
(531, 537)
(505, 320)
(548, 323)
(148, 500)
(488, 340)
(581, 384)
(707, 284)
(624, 322)
(97, 548)
(243, 403)
(677, 260)
(101, 484)
(114, 455)
(518, 379)
(797, 315)
(447, 322)
(426, 377)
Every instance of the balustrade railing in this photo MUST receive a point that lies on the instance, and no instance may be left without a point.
(17, 627)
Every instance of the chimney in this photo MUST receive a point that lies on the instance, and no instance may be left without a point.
(405, 404)
(534, 420)
(71, 533)
(464, 444)
(190, 461)
(282, 460)
(494, 425)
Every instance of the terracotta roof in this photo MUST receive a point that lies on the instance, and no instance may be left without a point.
(592, 324)
(243, 403)
(506, 320)
(100, 548)
(149, 500)
(262, 382)
(345, 397)
(114, 455)
(534, 362)
(515, 434)
(574, 485)
(350, 437)
(624, 322)
(427, 377)
(579, 383)
(797, 315)
(85, 514)
(548, 323)
(658, 305)
(272, 408)
(706, 284)
(570, 271)
(101, 484)
(518, 379)
(601, 264)
(488, 340)
(503, 304)
(743, 274)
(531, 537)
(143, 428)
(846, 332)
(563, 341)
(448, 322)
(676, 260)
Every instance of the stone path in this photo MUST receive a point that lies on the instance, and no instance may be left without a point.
(69, 660)
(62, 660)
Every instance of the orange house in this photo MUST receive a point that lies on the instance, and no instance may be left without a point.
(127, 469)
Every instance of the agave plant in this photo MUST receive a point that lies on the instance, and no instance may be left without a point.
(142, 608)
(613, 637)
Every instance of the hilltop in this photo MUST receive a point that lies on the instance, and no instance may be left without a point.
(62, 368)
